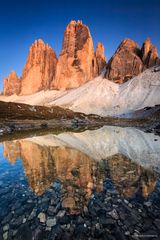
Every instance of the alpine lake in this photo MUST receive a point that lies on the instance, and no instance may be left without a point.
(92, 184)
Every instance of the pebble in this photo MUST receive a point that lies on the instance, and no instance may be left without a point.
(42, 217)
(157, 223)
(114, 214)
(61, 213)
(127, 233)
(126, 201)
(68, 202)
(85, 209)
(5, 228)
(51, 210)
(51, 222)
(24, 220)
(5, 236)
(48, 229)
(14, 232)
(148, 204)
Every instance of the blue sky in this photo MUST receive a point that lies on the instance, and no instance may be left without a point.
(110, 21)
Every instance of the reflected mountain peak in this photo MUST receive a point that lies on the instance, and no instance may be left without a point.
(82, 161)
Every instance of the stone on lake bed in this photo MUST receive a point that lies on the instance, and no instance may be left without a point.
(148, 204)
(61, 213)
(42, 217)
(51, 222)
(157, 223)
(5, 228)
(5, 236)
(114, 214)
(69, 203)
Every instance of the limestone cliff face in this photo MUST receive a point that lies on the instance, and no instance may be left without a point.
(125, 63)
(100, 57)
(77, 62)
(11, 84)
(39, 70)
(149, 54)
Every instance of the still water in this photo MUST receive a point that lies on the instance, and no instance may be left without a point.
(99, 184)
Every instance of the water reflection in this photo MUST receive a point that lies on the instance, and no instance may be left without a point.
(78, 173)
(88, 174)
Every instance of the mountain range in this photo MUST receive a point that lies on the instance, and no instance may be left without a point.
(81, 79)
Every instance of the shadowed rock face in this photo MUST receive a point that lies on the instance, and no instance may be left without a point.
(11, 84)
(149, 54)
(39, 70)
(125, 63)
(77, 62)
(100, 57)
(129, 60)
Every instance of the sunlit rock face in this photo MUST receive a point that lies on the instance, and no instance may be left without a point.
(77, 63)
(11, 84)
(100, 58)
(125, 63)
(149, 54)
(129, 178)
(39, 70)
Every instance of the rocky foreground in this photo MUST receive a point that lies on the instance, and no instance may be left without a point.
(18, 118)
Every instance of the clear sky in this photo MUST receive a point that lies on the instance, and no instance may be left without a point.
(110, 21)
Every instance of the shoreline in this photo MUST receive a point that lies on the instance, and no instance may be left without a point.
(16, 128)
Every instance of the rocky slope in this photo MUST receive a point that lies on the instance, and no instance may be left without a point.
(112, 99)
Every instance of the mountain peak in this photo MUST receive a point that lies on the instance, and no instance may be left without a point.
(77, 63)
(11, 84)
(120, 67)
(74, 22)
(39, 70)
(149, 54)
